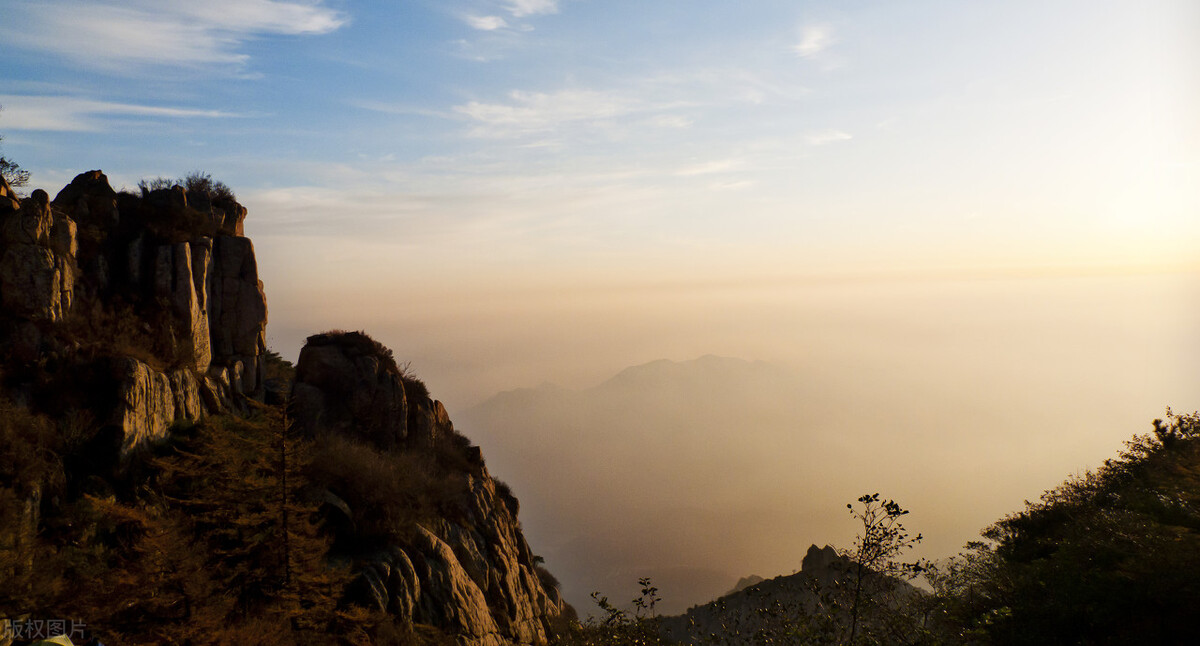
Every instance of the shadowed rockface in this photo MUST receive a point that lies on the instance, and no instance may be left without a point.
(139, 309)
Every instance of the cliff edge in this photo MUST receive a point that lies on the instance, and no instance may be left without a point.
(144, 440)
(141, 310)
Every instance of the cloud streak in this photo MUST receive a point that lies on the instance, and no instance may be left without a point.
(69, 113)
(522, 8)
(486, 23)
(528, 113)
(124, 38)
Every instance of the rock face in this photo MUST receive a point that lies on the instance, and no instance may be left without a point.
(37, 272)
(345, 383)
(155, 297)
(469, 573)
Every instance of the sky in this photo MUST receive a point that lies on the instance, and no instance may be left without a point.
(985, 209)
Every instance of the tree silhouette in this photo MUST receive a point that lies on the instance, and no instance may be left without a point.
(11, 171)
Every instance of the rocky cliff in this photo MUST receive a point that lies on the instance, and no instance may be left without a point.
(124, 317)
(140, 310)
(458, 561)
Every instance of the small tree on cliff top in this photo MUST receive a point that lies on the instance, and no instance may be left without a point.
(12, 173)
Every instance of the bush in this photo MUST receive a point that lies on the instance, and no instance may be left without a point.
(388, 492)
(358, 343)
(202, 184)
(156, 184)
(1109, 557)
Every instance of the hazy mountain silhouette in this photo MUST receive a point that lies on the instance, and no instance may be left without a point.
(602, 472)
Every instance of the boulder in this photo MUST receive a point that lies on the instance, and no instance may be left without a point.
(90, 199)
(343, 385)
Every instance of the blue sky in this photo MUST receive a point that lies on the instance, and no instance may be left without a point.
(577, 131)
(988, 205)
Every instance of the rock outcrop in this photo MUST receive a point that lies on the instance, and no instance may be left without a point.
(122, 315)
(154, 298)
(782, 609)
(468, 572)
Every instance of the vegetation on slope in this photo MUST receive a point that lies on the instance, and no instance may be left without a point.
(212, 536)
(1111, 557)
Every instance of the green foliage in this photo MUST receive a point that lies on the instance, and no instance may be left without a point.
(201, 184)
(198, 184)
(875, 570)
(1109, 557)
(156, 184)
(276, 367)
(617, 627)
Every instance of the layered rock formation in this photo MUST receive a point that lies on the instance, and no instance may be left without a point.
(153, 302)
(468, 571)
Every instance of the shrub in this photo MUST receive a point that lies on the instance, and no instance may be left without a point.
(388, 492)
(358, 343)
(155, 184)
(202, 184)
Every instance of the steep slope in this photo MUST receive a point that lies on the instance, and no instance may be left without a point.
(464, 568)
(135, 410)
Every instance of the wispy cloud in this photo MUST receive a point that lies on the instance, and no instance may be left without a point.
(123, 37)
(708, 168)
(814, 39)
(540, 112)
(822, 137)
(522, 8)
(486, 23)
(69, 113)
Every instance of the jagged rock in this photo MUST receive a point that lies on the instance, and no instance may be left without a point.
(30, 282)
(91, 199)
(449, 598)
(111, 276)
(232, 221)
(189, 307)
(133, 260)
(823, 564)
(237, 309)
(150, 401)
(470, 573)
(64, 239)
(37, 276)
(31, 224)
(343, 386)
(8, 197)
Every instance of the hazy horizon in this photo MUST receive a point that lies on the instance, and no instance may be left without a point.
(971, 228)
